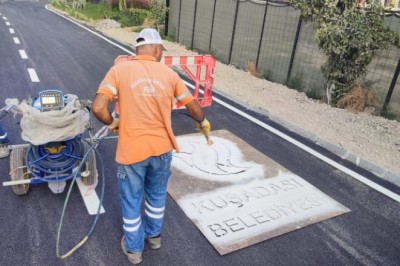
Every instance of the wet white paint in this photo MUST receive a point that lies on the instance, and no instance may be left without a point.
(220, 162)
(241, 212)
(90, 197)
(258, 200)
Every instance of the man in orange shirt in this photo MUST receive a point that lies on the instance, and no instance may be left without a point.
(146, 92)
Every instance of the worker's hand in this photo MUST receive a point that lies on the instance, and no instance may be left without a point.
(114, 126)
(205, 128)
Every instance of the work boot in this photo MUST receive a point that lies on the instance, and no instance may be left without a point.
(134, 258)
(154, 242)
(4, 151)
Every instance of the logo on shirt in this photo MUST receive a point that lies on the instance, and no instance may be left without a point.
(148, 87)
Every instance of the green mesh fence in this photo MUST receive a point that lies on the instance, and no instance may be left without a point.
(272, 37)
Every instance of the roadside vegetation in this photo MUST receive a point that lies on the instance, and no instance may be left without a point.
(134, 13)
(348, 32)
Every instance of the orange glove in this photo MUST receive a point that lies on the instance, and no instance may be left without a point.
(205, 128)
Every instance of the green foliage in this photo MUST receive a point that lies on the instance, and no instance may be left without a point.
(154, 12)
(349, 35)
(267, 74)
(296, 82)
(314, 93)
(157, 12)
(122, 5)
(390, 116)
(133, 17)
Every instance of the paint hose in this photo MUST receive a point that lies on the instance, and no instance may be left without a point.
(83, 241)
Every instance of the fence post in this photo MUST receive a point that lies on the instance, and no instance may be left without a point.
(179, 20)
(296, 39)
(166, 19)
(194, 24)
(212, 25)
(262, 33)
(391, 88)
(233, 30)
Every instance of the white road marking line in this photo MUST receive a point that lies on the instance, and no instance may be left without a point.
(327, 160)
(90, 197)
(338, 166)
(33, 75)
(23, 54)
(4, 18)
(8, 23)
(12, 31)
(16, 40)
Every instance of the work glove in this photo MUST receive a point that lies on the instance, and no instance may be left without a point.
(205, 128)
(114, 126)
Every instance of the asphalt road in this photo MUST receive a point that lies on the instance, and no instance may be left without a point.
(70, 58)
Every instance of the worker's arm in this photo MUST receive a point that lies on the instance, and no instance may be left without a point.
(195, 110)
(100, 109)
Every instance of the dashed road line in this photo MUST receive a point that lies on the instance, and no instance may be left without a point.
(8, 23)
(23, 54)
(16, 40)
(12, 31)
(33, 75)
(5, 18)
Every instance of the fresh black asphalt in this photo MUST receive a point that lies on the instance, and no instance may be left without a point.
(70, 58)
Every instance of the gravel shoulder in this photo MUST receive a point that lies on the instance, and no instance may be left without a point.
(369, 141)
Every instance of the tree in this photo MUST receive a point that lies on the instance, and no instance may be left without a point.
(122, 5)
(348, 32)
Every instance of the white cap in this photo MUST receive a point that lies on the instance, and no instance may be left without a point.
(149, 36)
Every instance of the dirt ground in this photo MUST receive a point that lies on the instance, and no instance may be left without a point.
(374, 139)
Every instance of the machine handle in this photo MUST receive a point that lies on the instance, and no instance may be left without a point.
(16, 182)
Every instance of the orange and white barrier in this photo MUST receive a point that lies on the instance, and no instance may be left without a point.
(200, 69)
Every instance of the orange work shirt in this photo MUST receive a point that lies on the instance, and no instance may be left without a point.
(146, 91)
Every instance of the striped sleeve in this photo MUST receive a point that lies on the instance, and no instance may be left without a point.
(182, 93)
(109, 85)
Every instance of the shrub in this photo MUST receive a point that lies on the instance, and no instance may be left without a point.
(252, 69)
(349, 35)
(295, 82)
(144, 4)
(133, 17)
(358, 99)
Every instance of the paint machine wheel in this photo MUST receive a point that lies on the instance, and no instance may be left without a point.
(18, 169)
(89, 174)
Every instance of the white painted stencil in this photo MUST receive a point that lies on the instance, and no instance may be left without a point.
(237, 196)
(221, 162)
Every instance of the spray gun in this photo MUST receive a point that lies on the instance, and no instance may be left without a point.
(205, 128)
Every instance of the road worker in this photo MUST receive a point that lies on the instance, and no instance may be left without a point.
(146, 91)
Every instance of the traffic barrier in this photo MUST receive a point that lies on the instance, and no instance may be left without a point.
(200, 69)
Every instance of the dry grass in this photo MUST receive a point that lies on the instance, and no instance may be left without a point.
(252, 69)
(359, 99)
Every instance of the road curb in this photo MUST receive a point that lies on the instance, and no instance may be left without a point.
(380, 172)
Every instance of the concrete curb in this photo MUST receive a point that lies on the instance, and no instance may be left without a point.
(393, 178)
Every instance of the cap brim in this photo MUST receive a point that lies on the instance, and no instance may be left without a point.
(144, 43)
